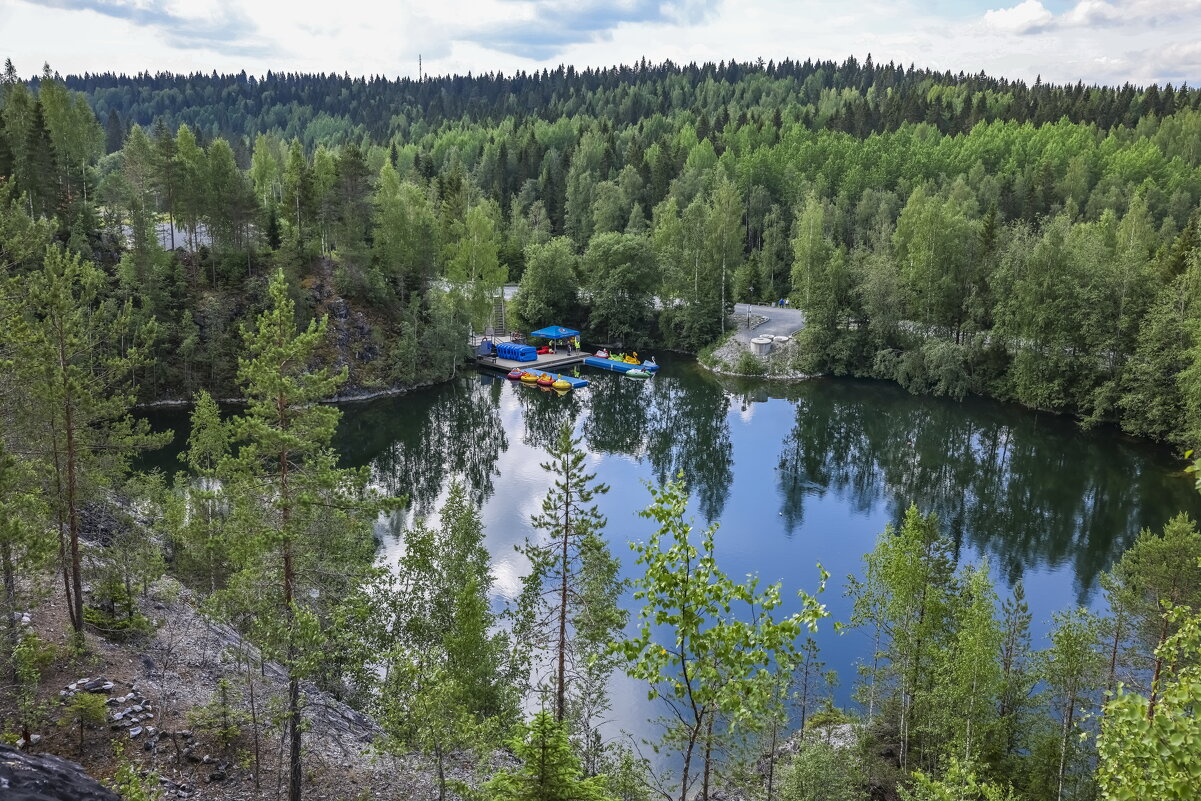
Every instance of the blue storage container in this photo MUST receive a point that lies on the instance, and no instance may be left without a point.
(515, 352)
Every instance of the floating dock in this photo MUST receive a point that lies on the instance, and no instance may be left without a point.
(545, 364)
(576, 383)
(618, 366)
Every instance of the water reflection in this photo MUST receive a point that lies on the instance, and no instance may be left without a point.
(544, 412)
(1026, 489)
(688, 431)
(415, 443)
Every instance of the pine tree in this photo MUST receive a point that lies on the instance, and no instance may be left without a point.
(302, 525)
(198, 517)
(26, 550)
(572, 549)
(76, 353)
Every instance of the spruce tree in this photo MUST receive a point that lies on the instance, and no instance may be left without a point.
(549, 770)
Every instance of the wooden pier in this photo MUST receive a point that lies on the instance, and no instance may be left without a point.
(553, 363)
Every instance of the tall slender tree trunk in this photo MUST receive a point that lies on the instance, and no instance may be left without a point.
(561, 685)
(10, 616)
(771, 760)
(1063, 743)
(561, 689)
(294, 732)
(686, 770)
(708, 759)
(1111, 684)
(76, 600)
(1154, 697)
(440, 762)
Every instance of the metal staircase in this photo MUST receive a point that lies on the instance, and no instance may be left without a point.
(497, 322)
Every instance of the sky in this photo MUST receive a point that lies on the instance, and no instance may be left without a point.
(1094, 41)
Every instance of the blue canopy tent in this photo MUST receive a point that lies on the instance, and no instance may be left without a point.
(555, 332)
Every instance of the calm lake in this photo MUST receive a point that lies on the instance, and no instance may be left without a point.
(795, 473)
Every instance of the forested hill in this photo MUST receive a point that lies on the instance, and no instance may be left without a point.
(958, 234)
(858, 98)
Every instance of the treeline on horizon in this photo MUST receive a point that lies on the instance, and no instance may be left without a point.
(958, 234)
(869, 98)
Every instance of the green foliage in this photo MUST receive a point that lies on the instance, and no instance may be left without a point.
(618, 273)
(749, 364)
(29, 658)
(75, 352)
(820, 772)
(549, 770)
(197, 514)
(472, 261)
(958, 782)
(908, 594)
(450, 681)
(549, 292)
(302, 526)
(573, 581)
(83, 710)
(223, 717)
(131, 782)
(717, 662)
(1072, 669)
(1155, 752)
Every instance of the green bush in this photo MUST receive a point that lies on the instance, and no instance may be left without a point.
(750, 364)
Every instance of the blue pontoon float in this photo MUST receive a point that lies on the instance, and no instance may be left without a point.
(619, 366)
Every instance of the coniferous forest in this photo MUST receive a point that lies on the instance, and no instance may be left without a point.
(289, 239)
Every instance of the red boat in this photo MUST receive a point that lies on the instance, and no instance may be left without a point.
(545, 381)
(515, 374)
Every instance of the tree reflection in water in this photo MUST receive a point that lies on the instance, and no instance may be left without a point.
(1030, 491)
(417, 443)
(1024, 488)
(544, 412)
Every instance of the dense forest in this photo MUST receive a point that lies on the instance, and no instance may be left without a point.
(959, 234)
(280, 240)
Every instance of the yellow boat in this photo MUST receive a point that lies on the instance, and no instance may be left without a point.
(560, 384)
(528, 377)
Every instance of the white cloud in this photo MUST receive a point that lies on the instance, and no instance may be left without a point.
(1091, 12)
(1092, 40)
(1027, 16)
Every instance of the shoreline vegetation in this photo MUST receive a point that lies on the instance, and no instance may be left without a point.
(959, 234)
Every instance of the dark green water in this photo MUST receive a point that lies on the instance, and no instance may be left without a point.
(795, 473)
